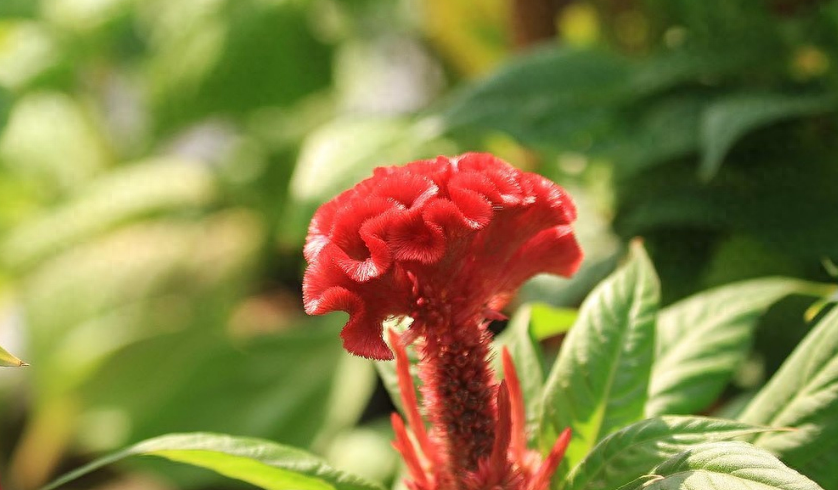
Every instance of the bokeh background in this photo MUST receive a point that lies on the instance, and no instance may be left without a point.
(160, 160)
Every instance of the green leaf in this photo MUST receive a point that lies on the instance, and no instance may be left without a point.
(730, 118)
(262, 463)
(556, 97)
(230, 59)
(571, 98)
(530, 324)
(526, 354)
(548, 321)
(9, 360)
(289, 386)
(600, 379)
(136, 191)
(616, 460)
(727, 465)
(803, 395)
(656, 132)
(5, 107)
(703, 339)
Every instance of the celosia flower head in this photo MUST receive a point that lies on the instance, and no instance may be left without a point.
(444, 241)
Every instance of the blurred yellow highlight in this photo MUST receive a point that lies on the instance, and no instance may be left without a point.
(809, 62)
(579, 25)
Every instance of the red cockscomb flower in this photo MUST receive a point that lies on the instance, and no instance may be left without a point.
(445, 242)
(451, 237)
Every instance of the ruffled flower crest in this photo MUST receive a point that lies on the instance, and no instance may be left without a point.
(434, 238)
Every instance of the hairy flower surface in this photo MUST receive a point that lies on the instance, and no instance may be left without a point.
(444, 241)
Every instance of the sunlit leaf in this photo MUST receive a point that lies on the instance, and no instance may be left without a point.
(120, 196)
(803, 396)
(599, 382)
(703, 339)
(262, 463)
(728, 465)
(618, 459)
(64, 154)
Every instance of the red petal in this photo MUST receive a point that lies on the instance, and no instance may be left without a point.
(405, 189)
(476, 209)
(362, 333)
(552, 197)
(319, 228)
(553, 251)
(410, 237)
(448, 216)
(319, 277)
(407, 390)
(361, 255)
(362, 337)
(518, 445)
(541, 479)
(499, 464)
(476, 182)
(503, 176)
(405, 447)
(438, 170)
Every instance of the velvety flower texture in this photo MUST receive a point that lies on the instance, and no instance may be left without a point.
(444, 241)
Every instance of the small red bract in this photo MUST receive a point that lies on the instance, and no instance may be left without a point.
(444, 241)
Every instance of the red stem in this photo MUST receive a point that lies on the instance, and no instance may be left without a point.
(459, 393)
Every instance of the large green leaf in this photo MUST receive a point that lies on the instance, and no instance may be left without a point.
(551, 97)
(600, 379)
(616, 460)
(701, 341)
(730, 118)
(572, 99)
(803, 395)
(136, 191)
(264, 464)
(290, 386)
(656, 132)
(727, 465)
(229, 58)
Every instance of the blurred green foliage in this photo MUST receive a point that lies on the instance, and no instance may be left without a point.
(159, 163)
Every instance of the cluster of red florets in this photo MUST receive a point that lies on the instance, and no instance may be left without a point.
(445, 241)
